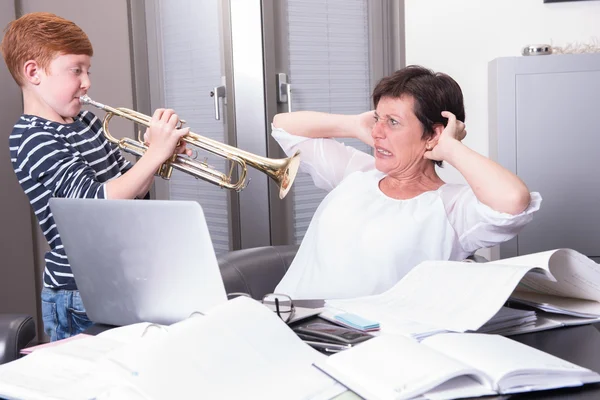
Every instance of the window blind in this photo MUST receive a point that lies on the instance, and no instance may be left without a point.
(191, 49)
(329, 64)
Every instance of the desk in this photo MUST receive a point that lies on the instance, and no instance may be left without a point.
(579, 345)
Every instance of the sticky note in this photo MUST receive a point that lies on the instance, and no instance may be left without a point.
(356, 321)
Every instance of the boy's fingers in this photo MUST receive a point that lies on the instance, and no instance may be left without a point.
(182, 132)
(167, 116)
(158, 113)
(171, 117)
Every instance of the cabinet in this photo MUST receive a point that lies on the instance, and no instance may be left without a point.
(543, 122)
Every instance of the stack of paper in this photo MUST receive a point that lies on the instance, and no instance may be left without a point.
(505, 321)
(508, 320)
(551, 304)
(545, 321)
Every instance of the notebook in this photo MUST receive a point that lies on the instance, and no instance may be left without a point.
(139, 261)
(450, 366)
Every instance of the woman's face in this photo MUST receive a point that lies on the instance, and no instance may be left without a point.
(397, 136)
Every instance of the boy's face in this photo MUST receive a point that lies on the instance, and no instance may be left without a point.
(61, 84)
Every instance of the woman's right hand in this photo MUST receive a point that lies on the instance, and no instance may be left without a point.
(365, 123)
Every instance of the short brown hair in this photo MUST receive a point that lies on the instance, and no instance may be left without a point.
(432, 92)
(41, 36)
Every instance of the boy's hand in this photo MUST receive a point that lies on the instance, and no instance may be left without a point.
(181, 149)
(162, 136)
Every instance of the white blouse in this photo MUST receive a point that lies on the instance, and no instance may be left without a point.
(361, 242)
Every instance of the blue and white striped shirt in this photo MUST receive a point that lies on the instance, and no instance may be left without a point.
(62, 160)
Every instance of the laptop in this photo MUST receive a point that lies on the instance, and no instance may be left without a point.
(139, 260)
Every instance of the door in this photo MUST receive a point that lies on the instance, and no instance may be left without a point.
(188, 74)
(331, 52)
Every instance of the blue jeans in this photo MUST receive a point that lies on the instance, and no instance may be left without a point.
(63, 313)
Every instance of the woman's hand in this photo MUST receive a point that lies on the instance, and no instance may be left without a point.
(453, 133)
(365, 123)
(493, 185)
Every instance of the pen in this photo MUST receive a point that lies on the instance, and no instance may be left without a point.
(328, 347)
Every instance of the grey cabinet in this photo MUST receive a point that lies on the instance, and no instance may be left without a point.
(543, 121)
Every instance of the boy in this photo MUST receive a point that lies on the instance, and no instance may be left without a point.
(58, 150)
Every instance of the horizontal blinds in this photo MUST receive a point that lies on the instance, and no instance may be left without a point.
(191, 48)
(329, 71)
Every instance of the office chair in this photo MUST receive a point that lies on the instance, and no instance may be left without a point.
(17, 331)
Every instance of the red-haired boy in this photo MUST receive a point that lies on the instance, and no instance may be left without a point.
(58, 150)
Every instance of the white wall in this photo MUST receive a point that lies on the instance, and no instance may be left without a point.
(460, 37)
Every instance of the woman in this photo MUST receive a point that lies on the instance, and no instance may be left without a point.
(388, 212)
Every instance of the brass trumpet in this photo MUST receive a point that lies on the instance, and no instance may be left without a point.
(283, 171)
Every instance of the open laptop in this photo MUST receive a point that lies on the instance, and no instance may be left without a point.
(139, 261)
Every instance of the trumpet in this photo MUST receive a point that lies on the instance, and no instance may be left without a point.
(282, 171)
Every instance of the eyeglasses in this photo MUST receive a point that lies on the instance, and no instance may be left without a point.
(281, 304)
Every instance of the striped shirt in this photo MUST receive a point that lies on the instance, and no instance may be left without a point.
(62, 160)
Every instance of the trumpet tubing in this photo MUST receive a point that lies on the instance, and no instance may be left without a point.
(282, 171)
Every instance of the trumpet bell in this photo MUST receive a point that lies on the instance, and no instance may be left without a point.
(285, 174)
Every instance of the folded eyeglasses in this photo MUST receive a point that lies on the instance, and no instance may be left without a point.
(281, 304)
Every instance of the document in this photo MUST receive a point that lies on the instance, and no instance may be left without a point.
(574, 287)
(239, 349)
(449, 366)
(461, 296)
(66, 370)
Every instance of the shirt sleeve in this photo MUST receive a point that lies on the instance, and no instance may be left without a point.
(52, 163)
(479, 226)
(96, 125)
(123, 164)
(327, 161)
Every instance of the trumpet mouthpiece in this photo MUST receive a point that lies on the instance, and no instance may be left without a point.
(85, 99)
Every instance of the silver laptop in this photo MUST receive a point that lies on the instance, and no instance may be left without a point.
(139, 261)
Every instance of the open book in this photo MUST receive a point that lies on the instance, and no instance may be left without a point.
(449, 366)
(462, 296)
(239, 349)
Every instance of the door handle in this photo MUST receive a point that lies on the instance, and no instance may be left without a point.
(218, 92)
(284, 90)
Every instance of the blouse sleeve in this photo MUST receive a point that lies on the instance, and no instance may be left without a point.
(477, 225)
(326, 160)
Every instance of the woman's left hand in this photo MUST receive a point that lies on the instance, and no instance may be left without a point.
(452, 134)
